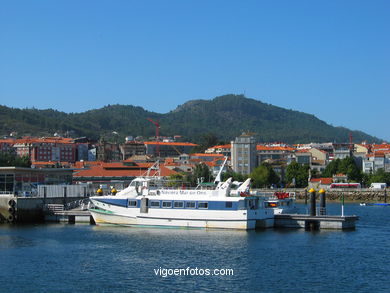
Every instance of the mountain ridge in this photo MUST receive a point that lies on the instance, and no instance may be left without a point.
(225, 116)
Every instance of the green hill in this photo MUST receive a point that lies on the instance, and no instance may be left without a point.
(225, 116)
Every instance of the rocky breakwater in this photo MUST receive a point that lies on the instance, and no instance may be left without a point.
(361, 195)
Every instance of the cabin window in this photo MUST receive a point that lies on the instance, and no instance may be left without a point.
(203, 205)
(154, 204)
(132, 204)
(178, 204)
(190, 204)
(166, 204)
(228, 204)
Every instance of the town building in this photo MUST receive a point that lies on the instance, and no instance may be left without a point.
(342, 150)
(273, 154)
(56, 149)
(220, 149)
(6, 146)
(108, 152)
(132, 148)
(303, 157)
(320, 183)
(244, 154)
(168, 149)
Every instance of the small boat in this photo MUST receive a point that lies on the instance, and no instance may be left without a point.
(374, 204)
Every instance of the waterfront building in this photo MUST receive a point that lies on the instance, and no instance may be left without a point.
(24, 181)
(244, 154)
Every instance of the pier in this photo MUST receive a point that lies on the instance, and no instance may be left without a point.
(309, 222)
(316, 220)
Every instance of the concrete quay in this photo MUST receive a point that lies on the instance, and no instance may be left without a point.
(14, 209)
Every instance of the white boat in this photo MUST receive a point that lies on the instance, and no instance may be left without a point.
(145, 202)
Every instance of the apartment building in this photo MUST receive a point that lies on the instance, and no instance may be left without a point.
(243, 152)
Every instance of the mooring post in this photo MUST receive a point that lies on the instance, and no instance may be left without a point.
(385, 194)
(312, 202)
(322, 202)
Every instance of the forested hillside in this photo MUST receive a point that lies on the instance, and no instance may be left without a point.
(225, 116)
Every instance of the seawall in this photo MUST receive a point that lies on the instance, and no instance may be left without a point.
(359, 195)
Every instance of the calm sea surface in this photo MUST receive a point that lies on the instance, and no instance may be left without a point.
(84, 258)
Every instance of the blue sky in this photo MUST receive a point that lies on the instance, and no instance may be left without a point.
(328, 58)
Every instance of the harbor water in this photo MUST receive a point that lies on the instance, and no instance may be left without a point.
(86, 258)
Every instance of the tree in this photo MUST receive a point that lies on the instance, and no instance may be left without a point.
(346, 166)
(200, 171)
(176, 180)
(298, 173)
(332, 168)
(7, 159)
(379, 176)
(234, 175)
(264, 176)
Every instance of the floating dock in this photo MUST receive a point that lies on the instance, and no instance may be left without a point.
(315, 222)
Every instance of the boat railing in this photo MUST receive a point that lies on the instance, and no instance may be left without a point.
(276, 195)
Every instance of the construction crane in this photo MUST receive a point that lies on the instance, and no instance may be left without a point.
(351, 146)
(157, 135)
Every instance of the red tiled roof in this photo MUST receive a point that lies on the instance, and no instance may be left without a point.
(339, 175)
(224, 146)
(101, 171)
(376, 155)
(8, 140)
(171, 143)
(273, 148)
(302, 151)
(206, 155)
(45, 140)
(325, 180)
